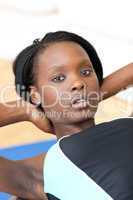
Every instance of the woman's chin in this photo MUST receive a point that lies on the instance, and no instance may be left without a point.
(78, 116)
(72, 116)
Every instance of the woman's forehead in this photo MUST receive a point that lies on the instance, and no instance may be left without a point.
(63, 54)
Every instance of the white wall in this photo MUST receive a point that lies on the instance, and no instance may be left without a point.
(107, 24)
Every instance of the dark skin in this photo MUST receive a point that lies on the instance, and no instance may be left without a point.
(11, 113)
(68, 61)
(73, 60)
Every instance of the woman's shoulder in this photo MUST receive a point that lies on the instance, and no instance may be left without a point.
(123, 121)
(120, 126)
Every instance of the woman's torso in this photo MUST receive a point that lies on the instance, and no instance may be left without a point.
(93, 164)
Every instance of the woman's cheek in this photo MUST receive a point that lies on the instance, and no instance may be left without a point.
(49, 96)
(93, 97)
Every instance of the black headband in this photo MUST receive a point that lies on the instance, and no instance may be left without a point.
(23, 62)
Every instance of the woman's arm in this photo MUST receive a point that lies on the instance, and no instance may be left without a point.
(12, 112)
(117, 81)
(23, 178)
(17, 111)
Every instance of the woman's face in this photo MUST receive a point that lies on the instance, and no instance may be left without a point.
(64, 72)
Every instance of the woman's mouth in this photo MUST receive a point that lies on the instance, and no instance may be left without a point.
(79, 104)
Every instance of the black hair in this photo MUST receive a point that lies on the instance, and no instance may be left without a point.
(23, 66)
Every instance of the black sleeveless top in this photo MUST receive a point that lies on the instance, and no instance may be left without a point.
(104, 155)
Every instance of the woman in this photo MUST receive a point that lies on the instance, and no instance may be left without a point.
(82, 164)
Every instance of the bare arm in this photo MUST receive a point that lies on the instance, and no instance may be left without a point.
(12, 112)
(117, 81)
(17, 111)
(23, 178)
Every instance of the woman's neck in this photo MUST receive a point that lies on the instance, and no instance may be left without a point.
(70, 129)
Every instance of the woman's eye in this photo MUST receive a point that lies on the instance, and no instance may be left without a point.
(58, 78)
(86, 71)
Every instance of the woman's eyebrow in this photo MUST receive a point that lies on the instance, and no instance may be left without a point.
(86, 62)
(56, 68)
(62, 67)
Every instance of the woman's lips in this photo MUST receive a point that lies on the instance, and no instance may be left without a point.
(82, 103)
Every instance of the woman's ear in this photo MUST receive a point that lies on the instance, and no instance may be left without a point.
(35, 96)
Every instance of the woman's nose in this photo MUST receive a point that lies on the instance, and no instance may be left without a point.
(78, 85)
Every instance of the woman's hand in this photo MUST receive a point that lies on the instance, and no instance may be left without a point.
(38, 117)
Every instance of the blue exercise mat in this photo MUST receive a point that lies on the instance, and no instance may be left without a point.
(22, 152)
